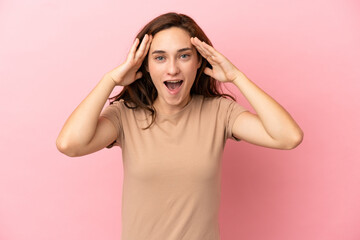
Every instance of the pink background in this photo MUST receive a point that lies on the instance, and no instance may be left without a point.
(305, 54)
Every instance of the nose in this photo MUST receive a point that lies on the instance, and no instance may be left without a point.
(173, 68)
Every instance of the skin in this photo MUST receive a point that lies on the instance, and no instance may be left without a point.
(272, 126)
(85, 132)
(172, 63)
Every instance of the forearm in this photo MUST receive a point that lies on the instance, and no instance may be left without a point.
(80, 127)
(276, 120)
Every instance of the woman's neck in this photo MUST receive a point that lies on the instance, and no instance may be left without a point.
(164, 108)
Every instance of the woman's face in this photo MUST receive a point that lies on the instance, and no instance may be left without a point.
(172, 64)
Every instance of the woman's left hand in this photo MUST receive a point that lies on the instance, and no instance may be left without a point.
(222, 69)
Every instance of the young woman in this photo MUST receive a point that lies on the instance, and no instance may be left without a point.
(171, 122)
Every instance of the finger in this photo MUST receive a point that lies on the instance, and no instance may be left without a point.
(205, 53)
(215, 56)
(133, 48)
(138, 75)
(196, 41)
(209, 49)
(147, 48)
(206, 56)
(202, 52)
(199, 48)
(141, 49)
(199, 45)
(211, 54)
(142, 57)
(208, 71)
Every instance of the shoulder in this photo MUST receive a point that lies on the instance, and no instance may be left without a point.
(218, 101)
(119, 108)
(123, 105)
(217, 104)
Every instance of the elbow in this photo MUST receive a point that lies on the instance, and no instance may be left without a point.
(295, 140)
(64, 148)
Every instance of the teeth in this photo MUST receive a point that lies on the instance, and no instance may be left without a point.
(174, 81)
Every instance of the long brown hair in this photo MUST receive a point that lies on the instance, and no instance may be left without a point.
(142, 92)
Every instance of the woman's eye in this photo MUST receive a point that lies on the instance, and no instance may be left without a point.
(157, 58)
(183, 56)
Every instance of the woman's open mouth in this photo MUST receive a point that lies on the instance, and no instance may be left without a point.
(174, 86)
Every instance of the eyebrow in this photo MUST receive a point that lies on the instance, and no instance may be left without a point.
(180, 50)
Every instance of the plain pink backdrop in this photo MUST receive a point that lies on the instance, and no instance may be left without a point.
(305, 54)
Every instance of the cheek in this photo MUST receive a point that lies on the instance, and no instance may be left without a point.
(155, 66)
(192, 69)
(154, 70)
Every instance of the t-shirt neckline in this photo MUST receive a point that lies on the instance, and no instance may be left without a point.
(187, 106)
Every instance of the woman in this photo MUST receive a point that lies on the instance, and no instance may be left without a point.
(172, 122)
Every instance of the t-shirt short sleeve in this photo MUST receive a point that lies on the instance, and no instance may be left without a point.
(113, 113)
(233, 110)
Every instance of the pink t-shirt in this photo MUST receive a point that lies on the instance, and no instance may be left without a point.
(171, 187)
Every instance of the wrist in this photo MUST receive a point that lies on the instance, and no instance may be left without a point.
(240, 77)
(109, 80)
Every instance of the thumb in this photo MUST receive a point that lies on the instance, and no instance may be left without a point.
(208, 71)
(138, 75)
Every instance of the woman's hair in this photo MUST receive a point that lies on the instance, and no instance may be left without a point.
(142, 92)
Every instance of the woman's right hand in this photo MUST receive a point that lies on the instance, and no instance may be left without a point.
(127, 72)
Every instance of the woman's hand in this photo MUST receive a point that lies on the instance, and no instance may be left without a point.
(127, 72)
(222, 69)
